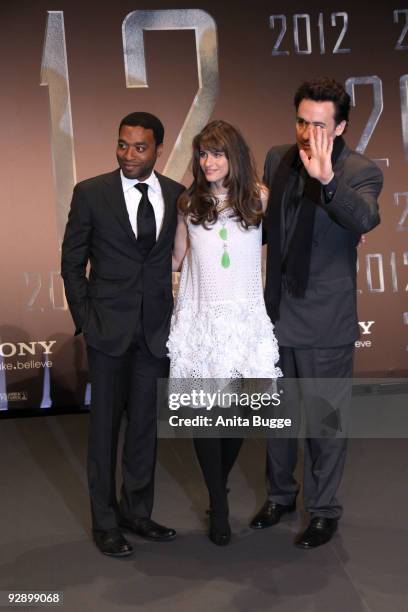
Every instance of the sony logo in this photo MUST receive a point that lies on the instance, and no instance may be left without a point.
(365, 327)
(9, 349)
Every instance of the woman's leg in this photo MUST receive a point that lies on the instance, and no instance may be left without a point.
(209, 456)
(230, 448)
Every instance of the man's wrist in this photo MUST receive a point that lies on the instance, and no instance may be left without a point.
(326, 182)
(329, 189)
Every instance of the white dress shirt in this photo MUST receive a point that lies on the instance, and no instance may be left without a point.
(133, 197)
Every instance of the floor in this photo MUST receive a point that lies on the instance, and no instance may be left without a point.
(45, 543)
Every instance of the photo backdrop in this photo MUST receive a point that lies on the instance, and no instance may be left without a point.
(71, 70)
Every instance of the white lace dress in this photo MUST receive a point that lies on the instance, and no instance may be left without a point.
(220, 328)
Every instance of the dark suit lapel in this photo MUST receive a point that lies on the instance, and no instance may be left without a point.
(116, 200)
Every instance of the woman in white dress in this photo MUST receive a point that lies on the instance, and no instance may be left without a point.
(220, 328)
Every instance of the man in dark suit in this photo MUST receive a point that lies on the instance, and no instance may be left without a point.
(323, 197)
(123, 224)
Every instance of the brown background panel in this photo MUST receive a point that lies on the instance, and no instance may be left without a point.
(256, 92)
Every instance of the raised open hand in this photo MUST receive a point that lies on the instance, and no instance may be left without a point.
(317, 161)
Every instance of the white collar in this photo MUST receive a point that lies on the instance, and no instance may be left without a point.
(128, 183)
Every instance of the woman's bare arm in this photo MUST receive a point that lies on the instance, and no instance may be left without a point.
(180, 243)
(264, 193)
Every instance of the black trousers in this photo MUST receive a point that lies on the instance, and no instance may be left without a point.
(125, 384)
(323, 402)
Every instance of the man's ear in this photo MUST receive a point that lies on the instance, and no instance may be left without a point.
(159, 149)
(340, 128)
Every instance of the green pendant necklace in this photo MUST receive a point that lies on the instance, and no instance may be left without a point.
(223, 232)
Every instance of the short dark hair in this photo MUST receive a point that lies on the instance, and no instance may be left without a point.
(325, 89)
(148, 122)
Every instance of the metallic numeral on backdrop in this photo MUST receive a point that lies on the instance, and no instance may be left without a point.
(399, 46)
(282, 19)
(207, 65)
(401, 227)
(376, 259)
(56, 292)
(320, 25)
(33, 282)
(56, 295)
(344, 16)
(404, 111)
(298, 29)
(394, 275)
(376, 84)
(306, 18)
(54, 74)
(406, 264)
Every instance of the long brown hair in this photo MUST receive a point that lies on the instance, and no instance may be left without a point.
(241, 181)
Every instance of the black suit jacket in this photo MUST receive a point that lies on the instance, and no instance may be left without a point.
(123, 284)
(327, 315)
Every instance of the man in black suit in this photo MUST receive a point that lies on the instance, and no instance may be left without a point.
(123, 224)
(323, 197)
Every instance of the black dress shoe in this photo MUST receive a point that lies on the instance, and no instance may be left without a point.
(319, 531)
(219, 530)
(148, 529)
(112, 542)
(270, 514)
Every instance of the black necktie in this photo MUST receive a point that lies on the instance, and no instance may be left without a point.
(146, 222)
